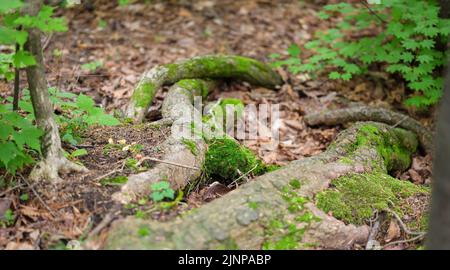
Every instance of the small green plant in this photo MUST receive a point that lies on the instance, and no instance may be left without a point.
(406, 45)
(78, 113)
(114, 181)
(102, 24)
(143, 231)
(123, 2)
(8, 218)
(161, 190)
(77, 153)
(24, 197)
(19, 139)
(92, 66)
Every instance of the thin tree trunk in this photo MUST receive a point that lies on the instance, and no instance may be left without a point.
(439, 236)
(54, 159)
(16, 85)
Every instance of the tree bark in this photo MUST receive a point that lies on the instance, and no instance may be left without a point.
(213, 66)
(53, 156)
(241, 219)
(366, 113)
(439, 236)
(177, 108)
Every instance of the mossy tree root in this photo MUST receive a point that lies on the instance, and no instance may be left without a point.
(178, 110)
(211, 66)
(366, 113)
(276, 210)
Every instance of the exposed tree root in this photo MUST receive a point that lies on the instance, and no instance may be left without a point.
(276, 210)
(54, 161)
(366, 113)
(213, 66)
(177, 109)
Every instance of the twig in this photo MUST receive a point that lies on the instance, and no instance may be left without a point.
(405, 241)
(38, 196)
(399, 122)
(373, 233)
(167, 162)
(371, 11)
(243, 175)
(110, 173)
(109, 217)
(11, 189)
(47, 42)
(405, 229)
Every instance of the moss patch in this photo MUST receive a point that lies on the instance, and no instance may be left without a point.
(143, 95)
(197, 87)
(355, 198)
(227, 160)
(286, 232)
(392, 146)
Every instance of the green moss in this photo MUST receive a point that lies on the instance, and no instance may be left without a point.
(355, 198)
(114, 181)
(253, 205)
(295, 183)
(220, 66)
(143, 95)
(227, 160)
(392, 146)
(190, 144)
(197, 87)
(286, 232)
(228, 244)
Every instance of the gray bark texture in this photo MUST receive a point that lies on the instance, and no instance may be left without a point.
(242, 218)
(177, 109)
(439, 235)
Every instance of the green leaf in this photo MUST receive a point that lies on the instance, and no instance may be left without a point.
(9, 5)
(29, 136)
(293, 50)
(79, 152)
(157, 196)
(8, 151)
(334, 75)
(160, 185)
(85, 103)
(23, 59)
(323, 15)
(12, 36)
(5, 131)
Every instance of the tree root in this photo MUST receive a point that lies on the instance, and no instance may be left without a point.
(276, 210)
(366, 113)
(54, 161)
(213, 66)
(187, 154)
(50, 168)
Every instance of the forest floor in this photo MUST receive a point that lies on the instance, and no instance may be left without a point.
(131, 39)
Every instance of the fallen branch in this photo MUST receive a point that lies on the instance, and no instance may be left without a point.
(242, 218)
(366, 113)
(211, 67)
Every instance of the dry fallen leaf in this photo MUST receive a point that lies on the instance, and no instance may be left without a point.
(393, 231)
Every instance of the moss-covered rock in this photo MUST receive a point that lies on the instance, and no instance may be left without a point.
(355, 198)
